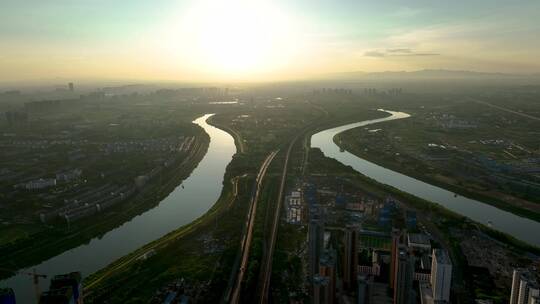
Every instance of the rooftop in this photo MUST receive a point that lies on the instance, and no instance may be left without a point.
(320, 280)
(327, 258)
(418, 238)
(441, 256)
(295, 194)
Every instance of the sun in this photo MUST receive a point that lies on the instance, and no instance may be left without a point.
(238, 37)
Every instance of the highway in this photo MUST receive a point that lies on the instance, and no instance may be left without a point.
(248, 233)
(505, 109)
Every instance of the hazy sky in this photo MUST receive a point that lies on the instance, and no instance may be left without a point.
(262, 39)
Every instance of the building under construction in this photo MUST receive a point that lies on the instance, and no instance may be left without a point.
(64, 289)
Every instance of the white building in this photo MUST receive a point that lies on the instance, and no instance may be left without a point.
(40, 183)
(441, 275)
(525, 289)
(68, 175)
(294, 207)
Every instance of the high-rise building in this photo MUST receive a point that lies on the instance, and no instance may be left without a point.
(315, 244)
(364, 288)
(441, 275)
(525, 289)
(404, 275)
(516, 280)
(396, 235)
(321, 290)
(7, 296)
(16, 118)
(327, 268)
(71, 87)
(65, 288)
(350, 257)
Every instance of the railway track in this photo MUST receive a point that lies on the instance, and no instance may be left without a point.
(267, 264)
(234, 294)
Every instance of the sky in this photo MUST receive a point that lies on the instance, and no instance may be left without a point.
(212, 40)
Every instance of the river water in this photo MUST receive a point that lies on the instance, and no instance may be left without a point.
(184, 204)
(519, 227)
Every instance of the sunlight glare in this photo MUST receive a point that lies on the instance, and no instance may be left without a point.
(238, 37)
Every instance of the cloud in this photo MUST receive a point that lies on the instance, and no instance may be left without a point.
(416, 54)
(401, 52)
(407, 51)
(374, 54)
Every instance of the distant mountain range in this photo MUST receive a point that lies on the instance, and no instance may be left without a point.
(427, 74)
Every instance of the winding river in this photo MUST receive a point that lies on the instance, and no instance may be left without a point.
(203, 187)
(519, 227)
(184, 204)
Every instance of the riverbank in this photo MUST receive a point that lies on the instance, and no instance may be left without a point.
(59, 238)
(101, 284)
(345, 143)
(238, 141)
(500, 220)
(207, 246)
(449, 229)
